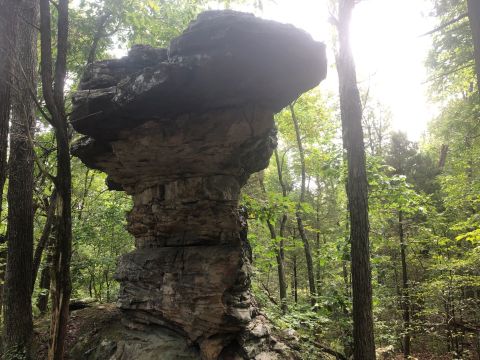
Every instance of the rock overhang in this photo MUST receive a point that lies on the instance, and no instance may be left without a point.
(224, 59)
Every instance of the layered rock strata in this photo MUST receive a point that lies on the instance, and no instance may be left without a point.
(181, 130)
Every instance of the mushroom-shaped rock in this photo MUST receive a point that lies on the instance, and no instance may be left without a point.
(181, 130)
(224, 59)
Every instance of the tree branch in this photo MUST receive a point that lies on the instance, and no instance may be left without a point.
(450, 72)
(327, 350)
(267, 291)
(41, 167)
(443, 26)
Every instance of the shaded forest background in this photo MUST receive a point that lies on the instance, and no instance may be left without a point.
(424, 197)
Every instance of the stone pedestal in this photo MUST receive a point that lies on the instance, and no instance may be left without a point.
(190, 271)
(181, 131)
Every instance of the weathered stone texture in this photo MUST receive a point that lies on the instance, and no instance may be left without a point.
(181, 130)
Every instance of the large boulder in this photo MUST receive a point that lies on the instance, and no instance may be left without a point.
(181, 130)
(224, 59)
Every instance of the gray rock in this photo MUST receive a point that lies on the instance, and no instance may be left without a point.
(114, 341)
(181, 131)
(223, 59)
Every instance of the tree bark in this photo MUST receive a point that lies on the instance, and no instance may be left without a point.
(298, 214)
(8, 19)
(318, 272)
(44, 285)
(357, 190)
(474, 19)
(18, 277)
(42, 299)
(283, 223)
(61, 260)
(281, 271)
(295, 280)
(405, 291)
(281, 253)
(43, 241)
(280, 264)
(53, 92)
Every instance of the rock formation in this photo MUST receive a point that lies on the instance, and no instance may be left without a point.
(181, 130)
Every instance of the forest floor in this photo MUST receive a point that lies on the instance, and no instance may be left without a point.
(84, 321)
(425, 356)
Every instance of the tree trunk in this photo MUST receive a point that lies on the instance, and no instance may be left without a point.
(98, 35)
(42, 299)
(281, 252)
(18, 277)
(318, 272)
(87, 184)
(53, 92)
(295, 280)
(347, 338)
(357, 187)
(282, 284)
(62, 287)
(107, 283)
(405, 292)
(280, 269)
(43, 241)
(298, 214)
(8, 19)
(474, 19)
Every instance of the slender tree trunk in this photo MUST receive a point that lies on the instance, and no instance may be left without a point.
(18, 277)
(283, 223)
(474, 19)
(44, 285)
(43, 241)
(53, 92)
(98, 35)
(282, 285)
(280, 269)
(357, 188)
(107, 282)
(87, 184)
(281, 253)
(405, 291)
(295, 280)
(42, 299)
(301, 228)
(443, 157)
(62, 287)
(318, 272)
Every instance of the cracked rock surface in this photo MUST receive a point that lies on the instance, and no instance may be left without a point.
(181, 130)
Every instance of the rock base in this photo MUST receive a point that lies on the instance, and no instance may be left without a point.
(102, 333)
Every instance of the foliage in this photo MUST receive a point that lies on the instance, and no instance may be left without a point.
(440, 204)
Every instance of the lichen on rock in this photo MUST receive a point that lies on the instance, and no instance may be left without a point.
(181, 130)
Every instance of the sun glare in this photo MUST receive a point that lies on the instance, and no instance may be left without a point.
(388, 49)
